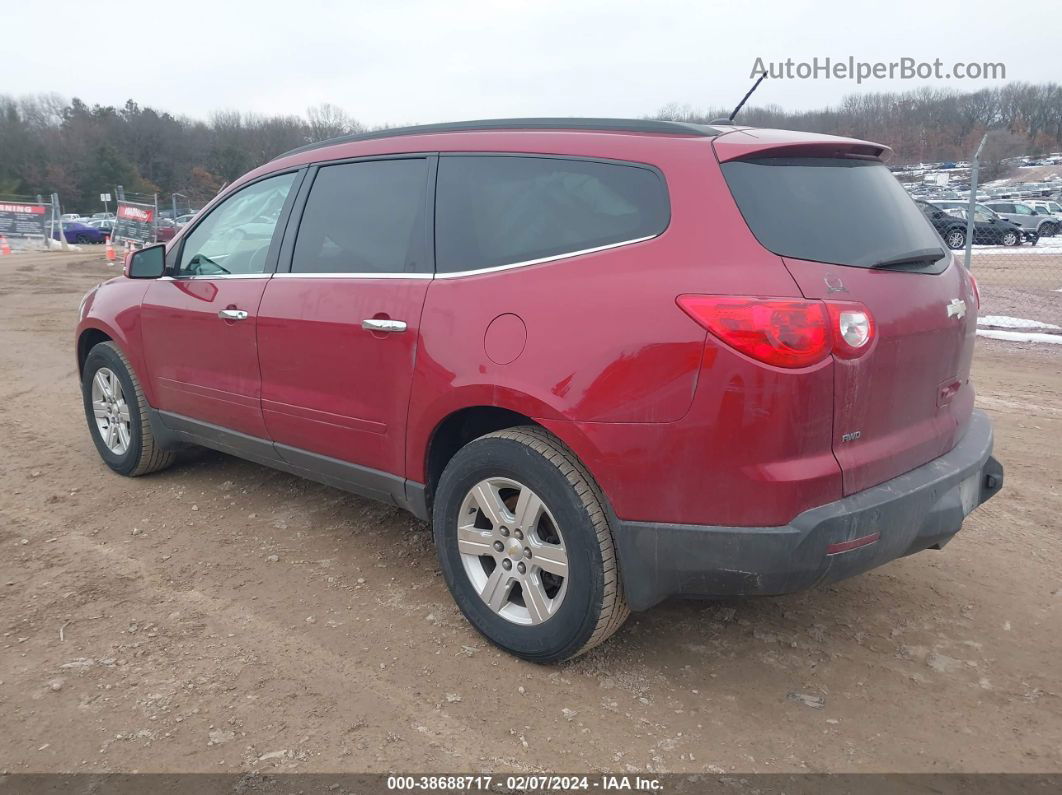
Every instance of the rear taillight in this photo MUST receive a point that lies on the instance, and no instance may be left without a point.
(782, 331)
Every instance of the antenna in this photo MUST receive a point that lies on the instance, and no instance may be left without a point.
(730, 119)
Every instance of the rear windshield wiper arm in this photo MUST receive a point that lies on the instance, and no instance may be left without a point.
(923, 256)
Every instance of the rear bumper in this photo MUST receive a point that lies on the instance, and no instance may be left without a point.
(920, 509)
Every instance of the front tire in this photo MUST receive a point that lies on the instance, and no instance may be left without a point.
(525, 546)
(1011, 239)
(117, 416)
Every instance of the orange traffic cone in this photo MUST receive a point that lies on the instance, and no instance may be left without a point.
(5, 247)
(110, 251)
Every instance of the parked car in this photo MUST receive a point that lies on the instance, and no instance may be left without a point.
(951, 226)
(165, 229)
(990, 229)
(69, 217)
(103, 216)
(76, 232)
(1025, 217)
(184, 219)
(952, 230)
(105, 225)
(608, 368)
(1053, 209)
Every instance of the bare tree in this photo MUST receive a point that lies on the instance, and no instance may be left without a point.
(328, 121)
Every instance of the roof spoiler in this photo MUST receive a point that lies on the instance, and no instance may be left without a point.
(785, 143)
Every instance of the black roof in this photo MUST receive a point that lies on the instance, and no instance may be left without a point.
(598, 125)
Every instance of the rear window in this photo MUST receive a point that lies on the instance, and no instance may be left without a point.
(502, 210)
(837, 210)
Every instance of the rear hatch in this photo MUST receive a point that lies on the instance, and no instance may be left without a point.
(846, 231)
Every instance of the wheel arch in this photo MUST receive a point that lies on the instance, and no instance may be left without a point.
(457, 429)
(88, 339)
(92, 332)
(465, 423)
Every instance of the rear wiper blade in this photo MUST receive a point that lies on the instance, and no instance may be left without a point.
(922, 256)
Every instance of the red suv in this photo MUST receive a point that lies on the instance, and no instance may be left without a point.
(611, 361)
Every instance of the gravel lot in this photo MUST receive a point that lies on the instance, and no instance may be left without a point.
(222, 616)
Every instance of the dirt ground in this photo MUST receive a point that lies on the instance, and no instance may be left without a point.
(221, 616)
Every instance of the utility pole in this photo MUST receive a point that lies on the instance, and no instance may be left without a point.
(974, 166)
(57, 221)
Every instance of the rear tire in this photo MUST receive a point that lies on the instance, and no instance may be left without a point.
(117, 414)
(490, 556)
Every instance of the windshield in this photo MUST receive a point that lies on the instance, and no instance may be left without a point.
(836, 210)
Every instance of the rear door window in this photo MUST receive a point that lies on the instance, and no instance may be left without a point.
(502, 210)
(365, 218)
(836, 210)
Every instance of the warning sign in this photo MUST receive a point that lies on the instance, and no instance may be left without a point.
(24, 219)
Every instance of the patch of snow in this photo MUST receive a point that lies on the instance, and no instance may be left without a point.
(1046, 245)
(1018, 336)
(1005, 321)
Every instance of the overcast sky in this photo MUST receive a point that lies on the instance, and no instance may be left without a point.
(407, 61)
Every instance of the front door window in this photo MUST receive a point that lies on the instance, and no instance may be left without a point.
(234, 239)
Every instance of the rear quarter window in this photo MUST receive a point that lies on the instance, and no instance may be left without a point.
(502, 210)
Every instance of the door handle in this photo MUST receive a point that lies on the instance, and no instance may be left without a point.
(382, 324)
(232, 314)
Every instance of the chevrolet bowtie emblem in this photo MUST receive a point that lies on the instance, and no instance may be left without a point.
(957, 308)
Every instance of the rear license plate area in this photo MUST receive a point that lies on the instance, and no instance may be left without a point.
(969, 492)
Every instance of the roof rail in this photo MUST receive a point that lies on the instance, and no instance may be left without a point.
(598, 125)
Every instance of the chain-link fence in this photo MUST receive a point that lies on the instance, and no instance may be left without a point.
(1010, 233)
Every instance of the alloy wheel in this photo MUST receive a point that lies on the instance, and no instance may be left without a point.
(512, 551)
(111, 411)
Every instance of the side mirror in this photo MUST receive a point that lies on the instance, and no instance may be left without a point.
(147, 263)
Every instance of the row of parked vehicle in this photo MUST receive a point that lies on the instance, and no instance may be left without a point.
(98, 227)
(995, 222)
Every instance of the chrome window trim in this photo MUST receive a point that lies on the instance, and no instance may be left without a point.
(352, 275)
(541, 260)
(460, 274)
(219, 276)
